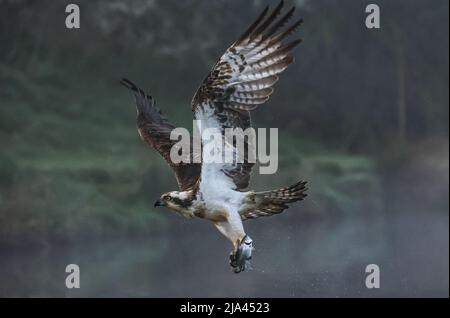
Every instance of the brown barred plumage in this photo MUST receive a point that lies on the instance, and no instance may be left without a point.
(155, 130)
(251, 63)
(267, 203)
(244, 76)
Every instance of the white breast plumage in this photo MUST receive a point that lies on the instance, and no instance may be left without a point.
(215, 186)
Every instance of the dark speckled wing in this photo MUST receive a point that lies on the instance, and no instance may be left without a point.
(155, 130)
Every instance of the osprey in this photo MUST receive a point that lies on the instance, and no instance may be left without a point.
(240, 81)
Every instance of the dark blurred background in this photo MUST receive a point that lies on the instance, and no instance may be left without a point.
(362, 115)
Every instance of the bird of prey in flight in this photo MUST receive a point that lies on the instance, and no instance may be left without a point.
(242, 79)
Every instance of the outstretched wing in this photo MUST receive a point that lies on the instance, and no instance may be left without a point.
(244, 77)
(155, 130)
(268, 203)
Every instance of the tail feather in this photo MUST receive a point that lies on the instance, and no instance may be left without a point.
(275, 201)
(289, 194)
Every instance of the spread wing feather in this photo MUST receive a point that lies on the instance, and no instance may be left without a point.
(244, 77)
(155, 130)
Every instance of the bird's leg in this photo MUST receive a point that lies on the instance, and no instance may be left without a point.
(242, 254)
(242, 243)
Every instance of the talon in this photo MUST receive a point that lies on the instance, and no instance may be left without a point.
(233, 260)
(237, 270)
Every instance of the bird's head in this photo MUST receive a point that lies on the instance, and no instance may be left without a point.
(175, 200)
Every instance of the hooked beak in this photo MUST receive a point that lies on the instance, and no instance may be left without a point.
(158, 203)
